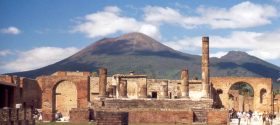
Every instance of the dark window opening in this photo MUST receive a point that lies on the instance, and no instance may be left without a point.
(154, 94)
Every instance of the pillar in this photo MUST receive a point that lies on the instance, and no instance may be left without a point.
(102, 82)
(164, 91)
(123, 89)
(185, 83)
(205, 67)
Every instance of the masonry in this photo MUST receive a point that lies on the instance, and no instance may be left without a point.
(79, 96)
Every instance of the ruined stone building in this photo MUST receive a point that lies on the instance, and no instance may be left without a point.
(145, 100)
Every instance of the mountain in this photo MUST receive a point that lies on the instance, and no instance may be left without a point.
(144, 55)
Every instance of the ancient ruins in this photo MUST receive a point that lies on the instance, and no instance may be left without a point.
(133, 97)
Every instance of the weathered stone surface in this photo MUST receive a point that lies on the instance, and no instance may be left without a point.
(111, 118)
(78, 115)
(183, 117)
(163, 104)
(102, 82)
(224, 84)
(200, 115)
(123, 89)
(164, 89)
(205, 67)
(49, 84)
(4, 114)
(185, 83)
(217, 116)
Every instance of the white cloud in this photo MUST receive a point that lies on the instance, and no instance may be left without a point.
(243, 15)
(10, 30)
(218, 54)
(111, 21)
(5, 52)
(264, 45)
(38, 57)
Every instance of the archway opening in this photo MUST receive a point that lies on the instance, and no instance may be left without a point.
(262, 95)
(65, 98)
(241, 96)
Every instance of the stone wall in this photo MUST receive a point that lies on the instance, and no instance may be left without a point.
(217, 116)
(94, 86)
(48, 85)
(111, 118)
(16, 116)
(78, 115)
(27, 91)
(224, 84)
(172, 117)
(158, 104)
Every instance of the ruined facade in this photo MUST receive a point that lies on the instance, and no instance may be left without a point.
(145, 100)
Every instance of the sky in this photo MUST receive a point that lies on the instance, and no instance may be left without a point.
(37, 33)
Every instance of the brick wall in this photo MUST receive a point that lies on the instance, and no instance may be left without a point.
(79, 115)
(217, 116)
(160, 117)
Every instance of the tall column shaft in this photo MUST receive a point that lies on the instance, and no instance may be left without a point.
(102, 82)
(185, 83)
(205, 67)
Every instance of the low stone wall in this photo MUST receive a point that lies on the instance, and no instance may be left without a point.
(217, 116)
(111, 118)
(79, 115)
(16, 116)
(160, 117)
(157, 104)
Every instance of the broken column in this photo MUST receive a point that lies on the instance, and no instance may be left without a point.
(123, 89)
(102, 82)
(164, 91)
(185, 83)
(205, 67)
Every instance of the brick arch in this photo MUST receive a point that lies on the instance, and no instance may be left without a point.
(256, 83)
(49, 83)
(240, 82)
(64, 96)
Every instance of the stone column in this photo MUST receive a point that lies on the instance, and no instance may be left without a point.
(123, 89)
(164, 91)
(205, 67)
(185, 83)
(102, 82)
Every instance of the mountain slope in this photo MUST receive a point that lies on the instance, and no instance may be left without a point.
(142, 54)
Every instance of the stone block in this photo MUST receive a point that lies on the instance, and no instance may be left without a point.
(79, 115)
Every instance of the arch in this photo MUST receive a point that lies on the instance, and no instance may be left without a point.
(64, 97)
(243, 88)
(262, 94)
(242, 95)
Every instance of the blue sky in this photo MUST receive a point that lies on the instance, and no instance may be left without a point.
(36, 33)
